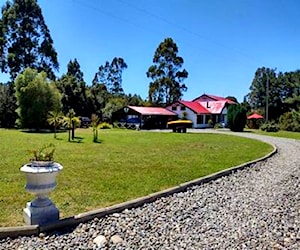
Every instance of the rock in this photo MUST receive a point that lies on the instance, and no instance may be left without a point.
(41, 235)
(100, 241)
(116, 239)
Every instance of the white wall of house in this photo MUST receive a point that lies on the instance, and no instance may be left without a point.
(180, 110)
(199, 120)
(190, 115)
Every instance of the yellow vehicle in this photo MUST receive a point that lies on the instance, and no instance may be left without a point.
(180, 125)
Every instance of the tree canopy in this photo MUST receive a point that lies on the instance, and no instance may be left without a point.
(280, 92)
(25, 39)
(107, 90)
(110, 74)
(232, 98)
(36, 97)
(167, 80)
(73, 89)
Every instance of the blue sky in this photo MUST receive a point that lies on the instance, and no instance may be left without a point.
(222, 42)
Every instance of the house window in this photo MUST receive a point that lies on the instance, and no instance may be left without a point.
(133, 116)
(207, 118)
(182, 108)
(200, 119)
(174, 108)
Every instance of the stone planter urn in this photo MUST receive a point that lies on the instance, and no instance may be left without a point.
(41, 180)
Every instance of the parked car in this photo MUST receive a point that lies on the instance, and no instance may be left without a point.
(85, 122)
(134, 123)
(134, 120)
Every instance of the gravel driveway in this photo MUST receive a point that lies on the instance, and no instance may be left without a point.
(256, 208)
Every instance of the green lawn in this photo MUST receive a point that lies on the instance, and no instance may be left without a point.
(124, 165)
(281, 133)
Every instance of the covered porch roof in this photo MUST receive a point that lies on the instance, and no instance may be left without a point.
(152, 111)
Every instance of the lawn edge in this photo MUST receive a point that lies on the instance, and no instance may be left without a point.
(75, 220)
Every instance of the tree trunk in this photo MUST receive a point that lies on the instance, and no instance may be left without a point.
(69, 134)
(73, 133)
(54, 132)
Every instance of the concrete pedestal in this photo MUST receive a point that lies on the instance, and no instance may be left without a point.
(41, 180)
(40, 211)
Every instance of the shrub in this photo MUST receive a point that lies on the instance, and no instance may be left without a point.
(236, 117)
(290, 121)
(105, 125)
(270, 127)
(184, 115)
(218, 125)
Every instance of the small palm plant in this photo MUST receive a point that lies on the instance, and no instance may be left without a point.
(71, 121)
(44, 154)
(55, 118)
(95, 123)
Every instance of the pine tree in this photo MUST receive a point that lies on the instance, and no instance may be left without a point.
(73, 89)
(236, 117)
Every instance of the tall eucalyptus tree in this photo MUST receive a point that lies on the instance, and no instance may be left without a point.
(25, 40)
(167, 79)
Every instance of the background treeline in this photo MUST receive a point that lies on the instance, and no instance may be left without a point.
(27, 100)
(280, 93)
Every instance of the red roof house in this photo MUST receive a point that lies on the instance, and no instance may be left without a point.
(204, 111)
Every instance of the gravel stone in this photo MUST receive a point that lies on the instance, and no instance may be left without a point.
(116, 239)
(100, 241)
(254, 208)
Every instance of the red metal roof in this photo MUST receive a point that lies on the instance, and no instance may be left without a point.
(203, 98)
(195, 106)
(214, 107)
(152, 111)
(217, 98)
(255, 116)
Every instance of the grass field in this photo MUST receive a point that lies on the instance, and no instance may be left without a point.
(281, 133)
(122, 166)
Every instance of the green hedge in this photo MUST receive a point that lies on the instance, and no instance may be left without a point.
(236, 118)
